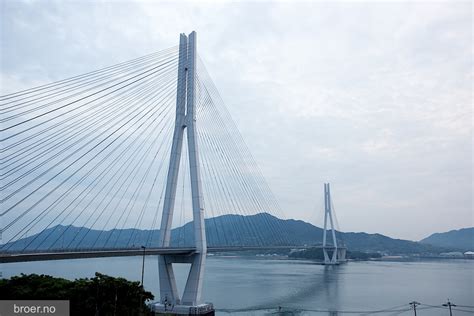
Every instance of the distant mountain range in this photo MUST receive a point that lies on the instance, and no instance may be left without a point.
(462, 239)
(227, 230)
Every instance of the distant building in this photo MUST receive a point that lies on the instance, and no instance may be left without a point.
(452, 254)
(469, 254)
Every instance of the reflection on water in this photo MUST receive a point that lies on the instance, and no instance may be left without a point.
(306, 288)
(252, 286)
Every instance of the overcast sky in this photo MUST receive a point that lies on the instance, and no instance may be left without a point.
(374, 98)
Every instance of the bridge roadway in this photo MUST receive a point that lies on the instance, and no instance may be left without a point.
(10, 257)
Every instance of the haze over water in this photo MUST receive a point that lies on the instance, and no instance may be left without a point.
(254, 286)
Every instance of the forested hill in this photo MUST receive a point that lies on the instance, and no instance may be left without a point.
(462, 239)
(227, 230)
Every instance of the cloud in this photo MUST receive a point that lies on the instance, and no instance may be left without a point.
(374, 98)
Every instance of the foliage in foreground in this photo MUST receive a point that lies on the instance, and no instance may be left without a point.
(100, 295)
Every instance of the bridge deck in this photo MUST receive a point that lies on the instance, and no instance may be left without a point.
(11, 257)
(44, 256)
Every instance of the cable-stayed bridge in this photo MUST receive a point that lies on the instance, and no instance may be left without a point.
(143, 144)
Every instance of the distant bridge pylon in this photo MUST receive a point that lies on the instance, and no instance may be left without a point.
(332, 253)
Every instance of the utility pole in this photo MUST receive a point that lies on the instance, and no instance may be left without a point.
(414, 304)
(143, 286)
(143, 264)
(449, 304)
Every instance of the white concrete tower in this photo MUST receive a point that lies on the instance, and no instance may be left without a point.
(170, 301)
(328, 214)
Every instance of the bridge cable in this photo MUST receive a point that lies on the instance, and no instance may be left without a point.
(262, 183)
(95, 146)
(87, 112)
(208, 202)
(46, 86)
(101, 213)
(75, 133)
(110, 77)
(220, 183)
(99, 110)
(102, 160)
(241, 143)
(230, 189)
(257, 200)
(18, 190)
(232, 166)
(58, 199)
(236, 205)
(148, 73)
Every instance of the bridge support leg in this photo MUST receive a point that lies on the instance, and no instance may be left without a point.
(341, 256)
(168, 290)
(192, 290)
(170, 302)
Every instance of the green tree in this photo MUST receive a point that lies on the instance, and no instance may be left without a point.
(100, 295)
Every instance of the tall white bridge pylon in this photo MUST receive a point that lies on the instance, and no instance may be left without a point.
(170, 300)
(338, 254)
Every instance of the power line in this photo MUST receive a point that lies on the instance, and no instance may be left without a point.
(414, 304)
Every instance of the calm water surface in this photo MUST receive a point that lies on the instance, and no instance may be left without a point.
(253, 286)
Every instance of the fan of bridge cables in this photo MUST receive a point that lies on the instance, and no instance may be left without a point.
(84, 162)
